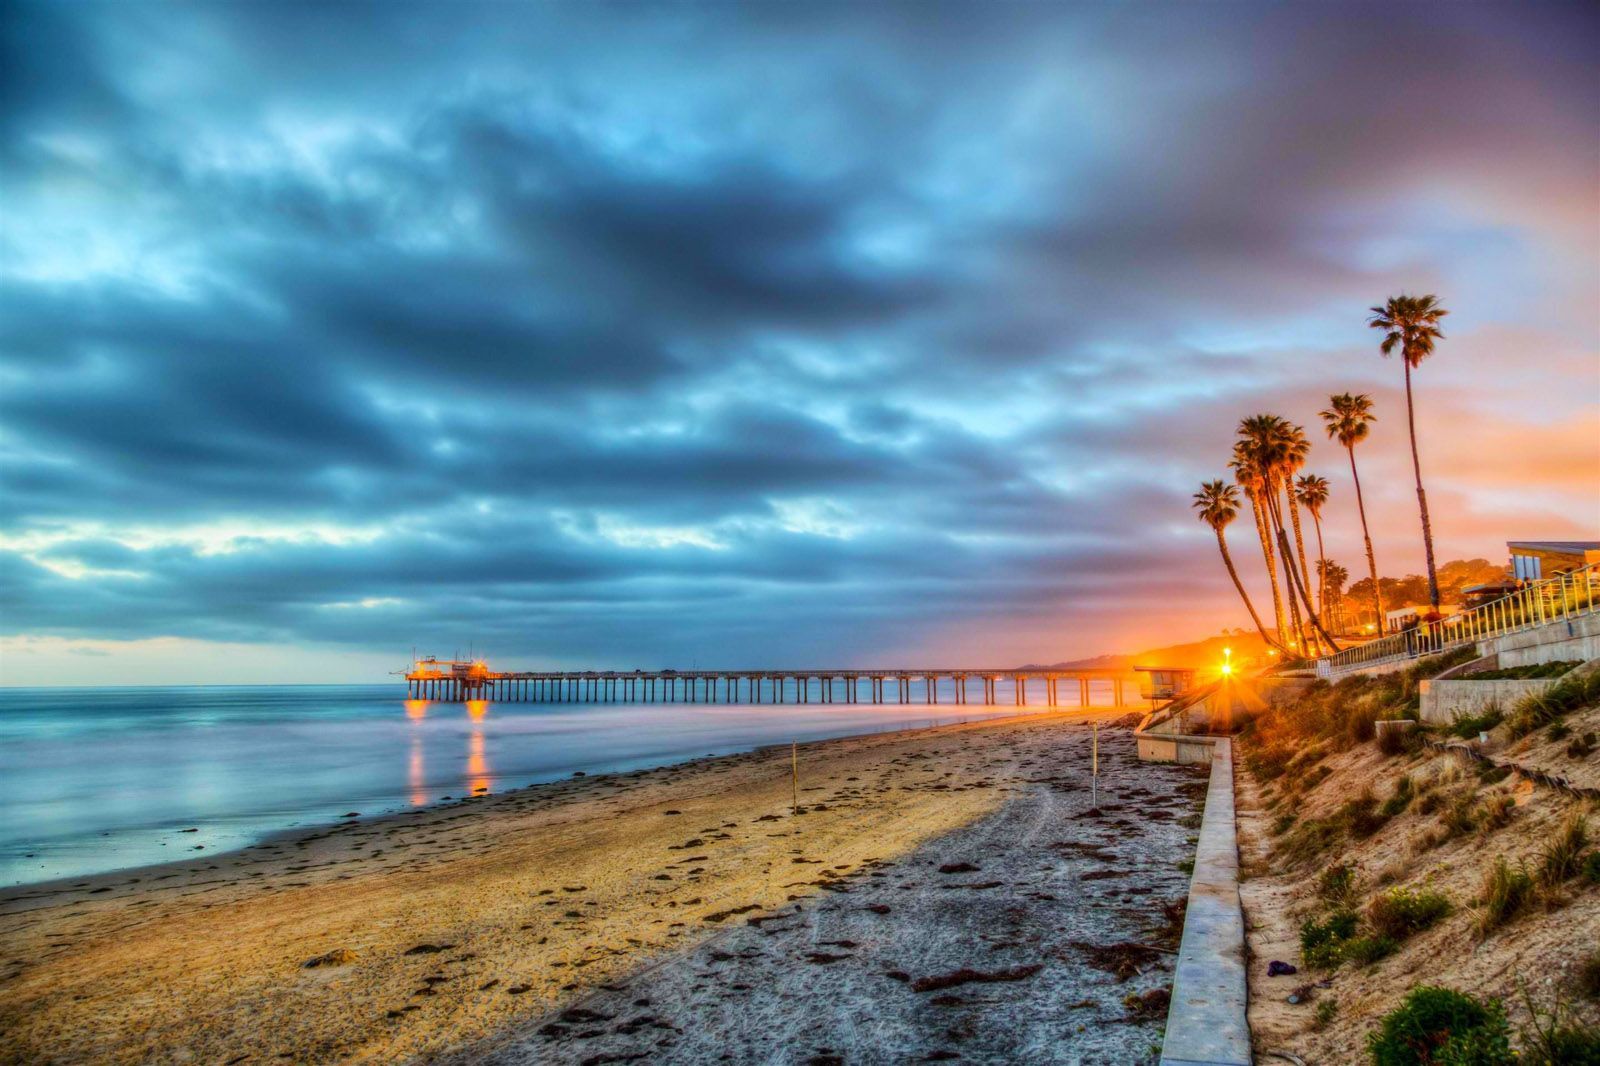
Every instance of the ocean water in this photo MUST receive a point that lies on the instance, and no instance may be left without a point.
(100, 779)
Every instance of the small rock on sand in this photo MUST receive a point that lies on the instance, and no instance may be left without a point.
(336, 957)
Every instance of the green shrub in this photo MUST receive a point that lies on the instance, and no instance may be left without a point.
(1591, 868)
(1557, 1035)
(1403, 795)
(1568, 1045)
(1541, 708)
(1439, 1026)
(1327, 1010)
(1505, 893)
(1469, 726)
(1460, 817)
(1361, 817)
(1559, 731)
(1337, 885)
(1366, 950)
(1562, 857)
(1523, 673)
(1495, 811)
(1322, 943)
(1401, 912)
(1589, 976)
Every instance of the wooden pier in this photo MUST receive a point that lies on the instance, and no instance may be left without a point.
(455, 681)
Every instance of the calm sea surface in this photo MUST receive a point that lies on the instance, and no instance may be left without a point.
(106, 778)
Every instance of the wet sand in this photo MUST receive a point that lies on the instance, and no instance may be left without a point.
(483, 920)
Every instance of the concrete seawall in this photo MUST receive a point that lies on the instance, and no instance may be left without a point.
(1206, 1024)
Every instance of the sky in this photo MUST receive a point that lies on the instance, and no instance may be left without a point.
(628, 335)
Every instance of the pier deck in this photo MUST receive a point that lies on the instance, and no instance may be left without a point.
(461, 681)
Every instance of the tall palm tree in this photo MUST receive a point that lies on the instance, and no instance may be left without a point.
(1295, 448)
(1312, 491)
(1411, 323)
(1218, 504)
(1269, 444)
(1252, 480)
(1333, 578)
(1348, 418)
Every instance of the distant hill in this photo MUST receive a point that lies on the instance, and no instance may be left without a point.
(1206, 652)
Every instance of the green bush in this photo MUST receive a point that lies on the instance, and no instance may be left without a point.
(1562, 858)
(1322, 943)
(1589, 976)
(1366, 950)
(1401, 912)
(1541, 708)
(1523, 673)
(1337, 885)
(1469, 726)
(1591, 868)
(1403, 795)
(1361, 817)
(1442, 1027)
(1505, 893)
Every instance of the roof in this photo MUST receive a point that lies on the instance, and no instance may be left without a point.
(1488, 585)
(1556, 545)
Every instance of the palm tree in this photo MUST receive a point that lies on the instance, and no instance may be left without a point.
(1312, 491)
(1253, 481)
(1411, 323)
(1218, 504)
(1295, 450)
(1347, 419)
(1333, 578)
(1269, 444)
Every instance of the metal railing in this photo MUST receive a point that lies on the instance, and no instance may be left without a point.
(1552, 599)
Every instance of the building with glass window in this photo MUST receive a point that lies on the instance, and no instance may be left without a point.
(1534, 559)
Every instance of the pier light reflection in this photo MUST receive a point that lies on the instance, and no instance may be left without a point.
(414, 775)
(477, 764)
(416, 710)
(476, 709)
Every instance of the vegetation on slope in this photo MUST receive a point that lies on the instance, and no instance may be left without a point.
(1404, 861)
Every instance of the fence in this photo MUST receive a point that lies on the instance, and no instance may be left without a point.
(1537, 603)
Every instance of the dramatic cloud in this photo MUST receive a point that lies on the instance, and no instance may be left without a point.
(652, 334)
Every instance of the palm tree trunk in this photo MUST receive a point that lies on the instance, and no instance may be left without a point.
(1275, 512)
(1296, 586)
(1322, 573)
(1372, 560)
(1299, 540)
(1422, 497)
(1227, 560)
(1272, 568)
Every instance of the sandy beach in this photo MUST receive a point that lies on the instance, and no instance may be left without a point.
(477, 928)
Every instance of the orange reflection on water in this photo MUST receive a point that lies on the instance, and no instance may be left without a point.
(477, 765)
(416, 709)
(419, 794)
(476, 709)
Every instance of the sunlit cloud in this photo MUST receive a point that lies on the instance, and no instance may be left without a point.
(534, 335)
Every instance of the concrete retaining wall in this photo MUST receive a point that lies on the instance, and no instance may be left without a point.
(1575, 639)
(1443, 701)
(1206, 1024)
(1172, 747)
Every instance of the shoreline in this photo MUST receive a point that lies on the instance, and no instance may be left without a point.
(292, 833)
(319, 817)
(540, 892)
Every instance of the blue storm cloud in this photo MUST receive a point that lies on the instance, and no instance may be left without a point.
(626, 333)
